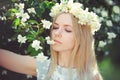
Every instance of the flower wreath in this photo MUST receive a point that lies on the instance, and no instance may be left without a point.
(84, 16)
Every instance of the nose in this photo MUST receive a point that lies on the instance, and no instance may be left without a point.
(58, 33)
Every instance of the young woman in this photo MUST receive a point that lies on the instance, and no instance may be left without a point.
(72, 54)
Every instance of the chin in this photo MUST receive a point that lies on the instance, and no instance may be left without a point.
(56, 48)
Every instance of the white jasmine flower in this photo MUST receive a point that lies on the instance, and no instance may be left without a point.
(16, 4)
(64, 9)
(20, 5)
(97, 10)
(76, 12)
(46, 24)
(55, 10)
(18, 15)
(109, 23)
(101, 19)
(21, 11)
(93, 22)
(4, 72)
(3, 18)
(47, 38)
(116, 9)
(104, 13)
(41, 57)
(83, 17)
(102, 44)
(31, 10)
(25, 16)
(49, 41)
(107, 53)
(9, 40)
(111, 35)
(36, 45)
(110, 2)
(21, 39)
(29, 76)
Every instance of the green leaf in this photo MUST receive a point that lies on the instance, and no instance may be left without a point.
(13, 10)
(33, 32)
(30, 37)
(41, 30)
(13, 1)
(10, 13)
(49, 4)
(16, 22)
(42, 7)
(33, 22)
(38, 11)
(42, 39)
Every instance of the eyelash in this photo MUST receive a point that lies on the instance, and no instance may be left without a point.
(68, 30)
(54, 28)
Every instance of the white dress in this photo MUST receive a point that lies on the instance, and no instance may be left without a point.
(60, 73)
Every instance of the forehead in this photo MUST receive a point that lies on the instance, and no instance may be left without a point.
(64, 18)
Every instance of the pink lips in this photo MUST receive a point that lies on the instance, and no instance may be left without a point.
(57, 42)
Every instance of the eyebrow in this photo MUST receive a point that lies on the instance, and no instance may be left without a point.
(65, 25)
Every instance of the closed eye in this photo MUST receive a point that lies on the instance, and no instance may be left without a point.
(68, 30)
(54, 27)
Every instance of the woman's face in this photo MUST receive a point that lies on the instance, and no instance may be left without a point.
(62, 33)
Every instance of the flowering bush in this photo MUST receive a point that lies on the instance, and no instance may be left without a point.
(29, 26)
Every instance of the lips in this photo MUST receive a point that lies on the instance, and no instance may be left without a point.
(57, 42)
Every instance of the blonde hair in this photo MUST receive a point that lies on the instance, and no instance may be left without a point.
(83, 53)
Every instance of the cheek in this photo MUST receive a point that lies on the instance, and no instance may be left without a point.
(70, 41)
(51, 34)
(73, 42)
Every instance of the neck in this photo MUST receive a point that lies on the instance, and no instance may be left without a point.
(64, 59)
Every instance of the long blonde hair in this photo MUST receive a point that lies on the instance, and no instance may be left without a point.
(83, 53)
